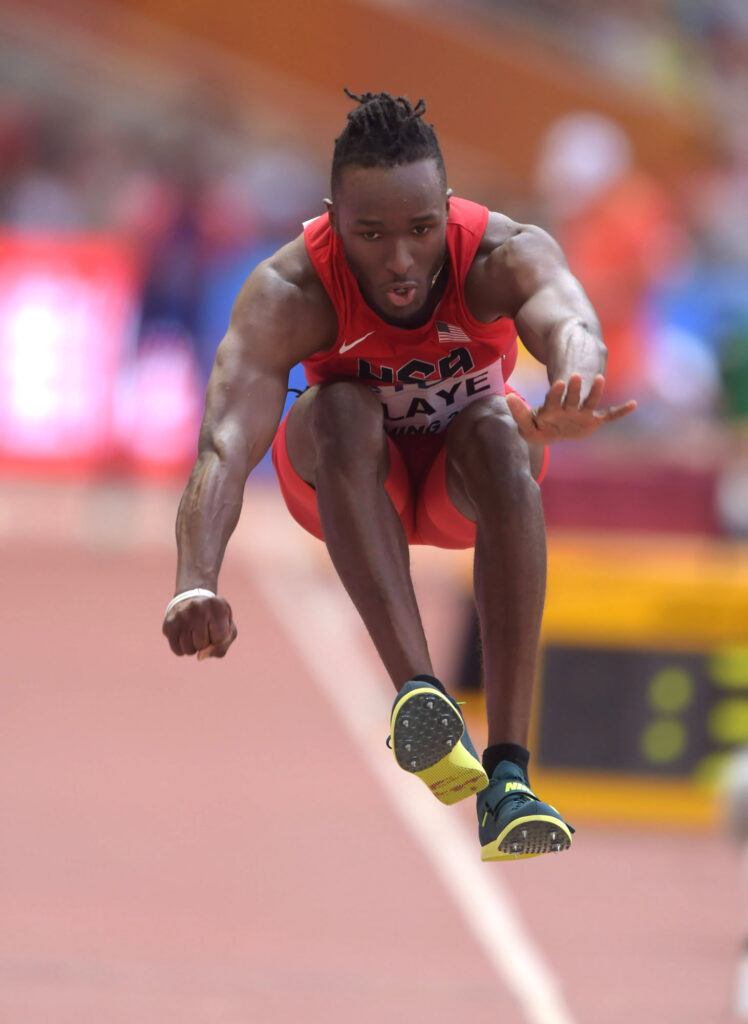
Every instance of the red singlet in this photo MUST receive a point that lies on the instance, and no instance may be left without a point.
(423, 376)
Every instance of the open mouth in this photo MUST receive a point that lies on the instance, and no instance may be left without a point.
(402, 294)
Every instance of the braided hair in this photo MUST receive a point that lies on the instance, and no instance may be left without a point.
(384, 131)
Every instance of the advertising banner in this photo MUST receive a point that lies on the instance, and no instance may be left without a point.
(68, 306)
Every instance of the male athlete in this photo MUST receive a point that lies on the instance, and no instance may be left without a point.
(404, 303)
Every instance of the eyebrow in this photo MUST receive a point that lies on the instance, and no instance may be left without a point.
(373, 222)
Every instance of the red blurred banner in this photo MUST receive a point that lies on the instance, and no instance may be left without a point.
(67, 310)
(75, 395)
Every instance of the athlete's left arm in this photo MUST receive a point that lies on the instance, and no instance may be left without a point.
(529, 279)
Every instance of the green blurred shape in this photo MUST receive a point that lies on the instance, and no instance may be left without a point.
(710, 770)
(663, 740)
(671, 689)
(728, 667)
(728, 721)
(733, 351)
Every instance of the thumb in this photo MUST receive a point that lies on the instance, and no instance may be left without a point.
(522, 415)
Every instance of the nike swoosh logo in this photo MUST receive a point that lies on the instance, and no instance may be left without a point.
(346, 344)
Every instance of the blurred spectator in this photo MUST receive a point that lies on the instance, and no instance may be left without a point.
(201, 201)
(197, 201)
(263, 204)
(685, 51)
(41, 193)
(618, 229)
(718, 212)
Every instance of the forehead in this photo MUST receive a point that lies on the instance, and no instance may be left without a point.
(379, 193)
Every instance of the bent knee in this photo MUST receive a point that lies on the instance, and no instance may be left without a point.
(486, 423)
(485, 434)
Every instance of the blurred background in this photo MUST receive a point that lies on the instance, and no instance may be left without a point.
(151, 154)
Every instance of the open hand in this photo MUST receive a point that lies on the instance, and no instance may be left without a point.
(202, 626)
(563, 416)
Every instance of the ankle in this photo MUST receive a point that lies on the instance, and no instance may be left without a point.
(513, 752)
(423, 677)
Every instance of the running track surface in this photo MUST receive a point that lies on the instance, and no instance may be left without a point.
(205, 843)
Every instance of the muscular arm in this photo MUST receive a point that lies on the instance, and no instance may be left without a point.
(280, 317)
(554, 318)
(244, 401)
(521, 272)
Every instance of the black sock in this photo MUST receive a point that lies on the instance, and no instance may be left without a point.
(506, 752)
(423, 678)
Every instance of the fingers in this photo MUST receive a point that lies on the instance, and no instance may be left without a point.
(173, 636)
(221, 641)
(554, 399)
(200, 625)
(523, 416)
(573, 391)
(200, 635)
(186, 643)
(572, 398)
(219, 650)
(595, 394)
(616, 412)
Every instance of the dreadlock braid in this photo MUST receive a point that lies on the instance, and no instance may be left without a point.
(385, 131)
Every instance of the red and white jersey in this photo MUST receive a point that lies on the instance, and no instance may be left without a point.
(423, 375)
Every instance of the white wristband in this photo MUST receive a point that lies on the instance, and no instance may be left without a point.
(186, 595)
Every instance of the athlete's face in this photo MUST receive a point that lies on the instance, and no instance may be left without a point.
(392, 222)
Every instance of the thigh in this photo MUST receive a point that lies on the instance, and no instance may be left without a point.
(445, 515)
(295, 437)
(539, 453)
(483, 434)
(340, 421)
(294, 459)
(299, 495)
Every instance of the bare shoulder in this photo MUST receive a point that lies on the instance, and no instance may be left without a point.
(506, 240)
(283, 309)
(512, 261)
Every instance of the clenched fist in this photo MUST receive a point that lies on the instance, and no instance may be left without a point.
(200, 625)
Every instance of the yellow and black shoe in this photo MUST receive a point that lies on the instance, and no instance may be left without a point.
(512, 822)
(429, 739)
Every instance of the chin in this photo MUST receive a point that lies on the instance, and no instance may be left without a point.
(415, 309)
(402, 316)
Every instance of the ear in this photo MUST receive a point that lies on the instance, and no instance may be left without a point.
(331, 214)
(449, 196)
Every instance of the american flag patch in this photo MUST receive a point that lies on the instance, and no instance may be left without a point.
(451, 334)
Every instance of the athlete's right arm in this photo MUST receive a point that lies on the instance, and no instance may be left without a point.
(280, 317)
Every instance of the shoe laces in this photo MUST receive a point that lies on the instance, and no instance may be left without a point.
(511, 801)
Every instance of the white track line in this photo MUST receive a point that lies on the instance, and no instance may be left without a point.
(320, 621)
(292, 573)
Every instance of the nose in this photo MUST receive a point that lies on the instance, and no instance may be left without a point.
(399, 259)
